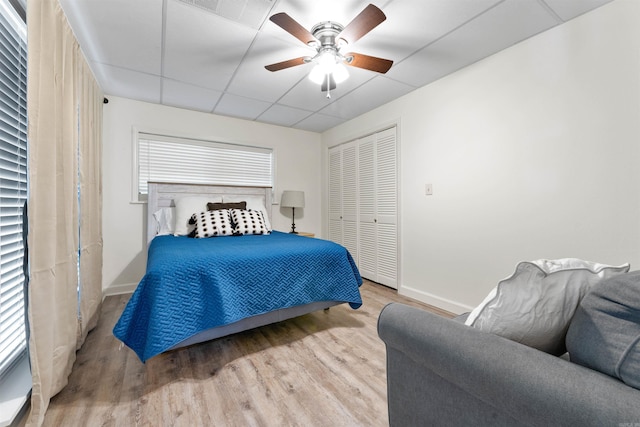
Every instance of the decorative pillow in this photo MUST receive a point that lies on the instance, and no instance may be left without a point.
(535, 305)
(248, 222)
(212, 224)
(605, 332)
(164, 218)
(186, 207)
(216, 206)
(255, 203)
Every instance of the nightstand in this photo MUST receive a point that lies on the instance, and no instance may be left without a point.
(305, 234)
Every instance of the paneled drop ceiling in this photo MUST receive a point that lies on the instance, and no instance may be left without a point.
(209, 55)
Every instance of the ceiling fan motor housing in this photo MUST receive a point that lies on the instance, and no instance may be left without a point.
(326, 33)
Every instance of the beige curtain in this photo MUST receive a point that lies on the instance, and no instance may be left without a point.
(64, 137)
(90, 178)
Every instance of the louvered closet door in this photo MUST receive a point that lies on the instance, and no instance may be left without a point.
(363, 204)
(378, 204)
(386, 208)
(367, 229)
(350, 199)
(335, 194)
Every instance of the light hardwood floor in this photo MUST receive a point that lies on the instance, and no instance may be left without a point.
(323, 369)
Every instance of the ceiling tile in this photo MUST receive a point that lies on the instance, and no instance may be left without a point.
(239, 106)
(413, 24)
(318, 123)
(377, 91)
(247, 12)
(569, 9)
(500, 27)
(179, 94)
(121, 33)
(127, 84)
(265, 51)
(283, 115)
(202, 48)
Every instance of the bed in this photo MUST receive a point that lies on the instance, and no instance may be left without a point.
(198, 289)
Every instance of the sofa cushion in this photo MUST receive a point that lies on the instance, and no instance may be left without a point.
(605, 332)
(536, 303)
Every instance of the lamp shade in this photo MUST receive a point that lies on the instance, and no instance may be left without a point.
(292, 199)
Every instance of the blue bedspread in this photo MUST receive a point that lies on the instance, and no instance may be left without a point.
(195, 284)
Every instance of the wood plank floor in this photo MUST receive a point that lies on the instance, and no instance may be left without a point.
(323, 369)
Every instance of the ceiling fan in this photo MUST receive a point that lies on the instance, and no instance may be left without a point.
(328, 38)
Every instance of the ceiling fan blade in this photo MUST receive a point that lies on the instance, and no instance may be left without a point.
(332, 84)
(366, 21)
(373, 63)
(286, 64)
(292, 27)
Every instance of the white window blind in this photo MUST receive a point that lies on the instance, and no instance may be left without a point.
(170, 159)
(13, 183)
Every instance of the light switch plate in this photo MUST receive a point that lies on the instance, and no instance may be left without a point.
(428, 189)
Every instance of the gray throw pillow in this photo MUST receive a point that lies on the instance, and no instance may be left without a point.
(604, 334)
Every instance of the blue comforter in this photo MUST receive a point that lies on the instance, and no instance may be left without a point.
(195, 284)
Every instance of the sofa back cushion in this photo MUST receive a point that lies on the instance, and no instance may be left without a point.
(604, 334)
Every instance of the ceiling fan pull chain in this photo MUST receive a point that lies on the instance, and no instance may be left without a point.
(328, 86)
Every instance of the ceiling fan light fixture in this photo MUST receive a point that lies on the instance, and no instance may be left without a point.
(318, 73)
(340, 73)
(328, 62)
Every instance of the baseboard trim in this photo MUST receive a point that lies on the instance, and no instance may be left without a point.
(427, 298)
(124, 288)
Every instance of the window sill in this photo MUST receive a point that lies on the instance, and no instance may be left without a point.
(14, 391)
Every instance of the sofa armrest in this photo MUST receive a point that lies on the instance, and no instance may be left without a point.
(451, 368)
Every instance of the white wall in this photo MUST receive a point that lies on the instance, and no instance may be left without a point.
(532, 153)
(297, 164)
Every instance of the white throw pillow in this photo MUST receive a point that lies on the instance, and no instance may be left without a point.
(187, 206)
(165, 221)
(255, 203)
(534, 306)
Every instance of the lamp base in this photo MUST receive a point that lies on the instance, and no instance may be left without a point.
(293, 221)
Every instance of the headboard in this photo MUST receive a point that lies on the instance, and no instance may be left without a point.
(162, 194)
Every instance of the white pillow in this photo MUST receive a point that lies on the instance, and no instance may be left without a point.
(255, 203)
(165, 221)
(187, 206)
(534, 306)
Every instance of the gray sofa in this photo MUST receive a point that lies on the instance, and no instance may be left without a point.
(443, 373)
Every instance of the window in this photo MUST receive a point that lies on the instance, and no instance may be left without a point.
(191, 161)
(13, 183)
